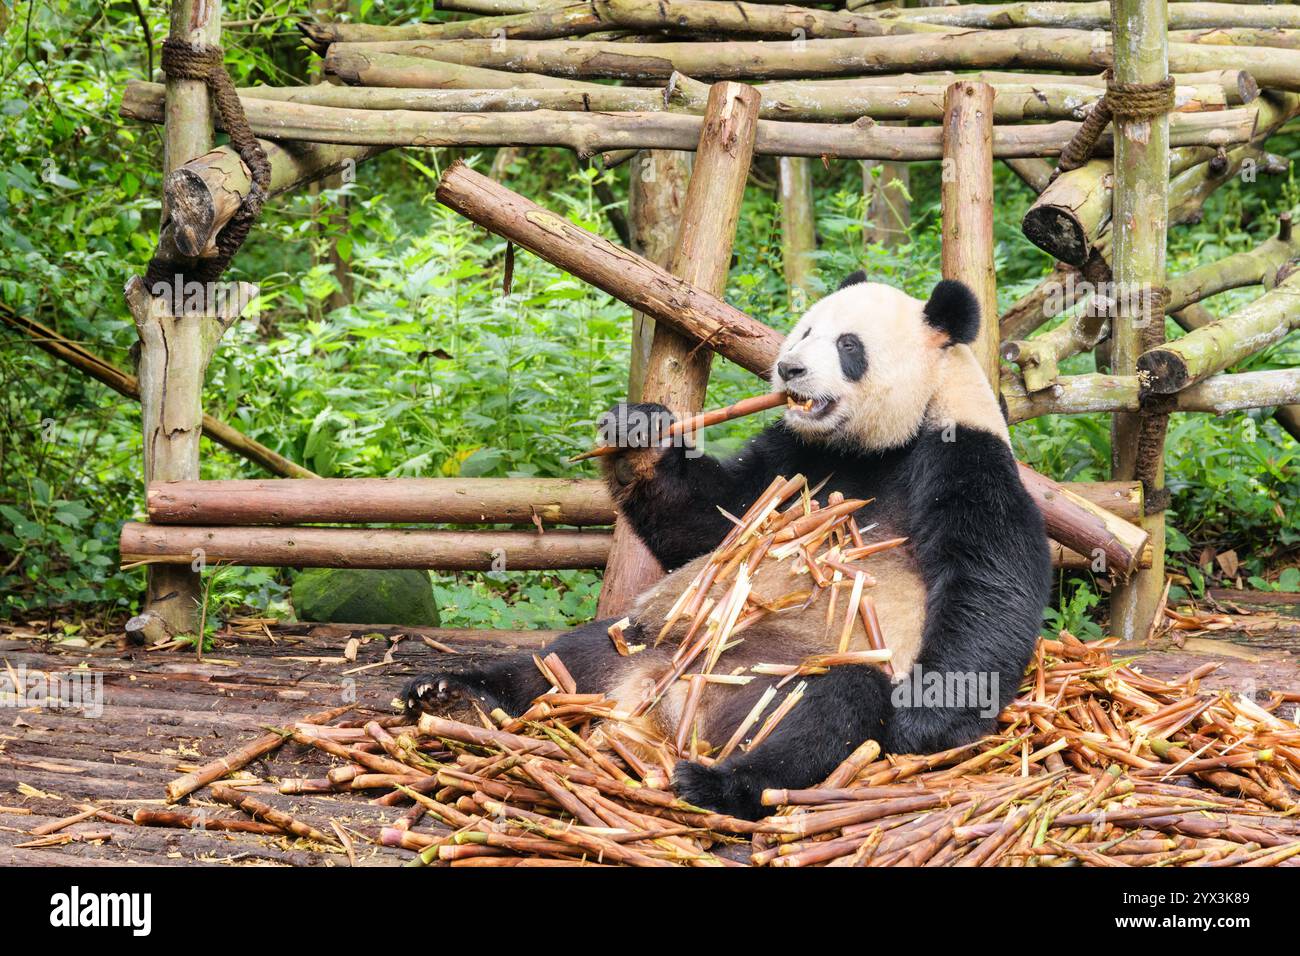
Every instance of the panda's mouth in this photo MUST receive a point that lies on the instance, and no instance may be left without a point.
(810, 408)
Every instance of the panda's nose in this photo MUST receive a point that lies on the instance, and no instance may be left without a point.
(789, 370)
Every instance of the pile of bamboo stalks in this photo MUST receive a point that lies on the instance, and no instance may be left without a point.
(1094, 763)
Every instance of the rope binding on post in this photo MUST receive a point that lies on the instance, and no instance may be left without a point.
(184, 61)
(1130, 101)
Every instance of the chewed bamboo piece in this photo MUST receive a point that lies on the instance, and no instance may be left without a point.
(687, 426)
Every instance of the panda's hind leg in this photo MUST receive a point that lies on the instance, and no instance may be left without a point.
(839, 711)
(512, 681)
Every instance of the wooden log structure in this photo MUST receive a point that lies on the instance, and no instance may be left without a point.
(1198, 354)
(1021, 49)
(581, 502)
(523, 75)
(299, 547)
(727, 331)
(677, 370)
(966, 200)
(1143, 55)
(812, 101)
(590, 133)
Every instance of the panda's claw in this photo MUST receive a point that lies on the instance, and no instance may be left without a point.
(433, 693)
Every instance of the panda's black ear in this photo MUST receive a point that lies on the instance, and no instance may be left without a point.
(853, 278)
(954, 310)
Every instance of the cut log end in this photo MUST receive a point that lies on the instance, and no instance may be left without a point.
(1058, 233)
(192, 212)
(1162, 372)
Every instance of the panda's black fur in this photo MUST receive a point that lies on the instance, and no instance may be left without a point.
(974, 535)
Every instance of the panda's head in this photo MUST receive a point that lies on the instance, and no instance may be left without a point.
(870, 360)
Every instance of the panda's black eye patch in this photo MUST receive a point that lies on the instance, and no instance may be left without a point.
(853, 357)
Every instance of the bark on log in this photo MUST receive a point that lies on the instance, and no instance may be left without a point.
(1032, 49)
(1094, 15)
(1091, 394)
(1253, 267)
(206, 192)
(591, 133)
(1143, 54)
(553, 501)
(128, 386)
(694, 17)
(798, 229)
(364, 66)
(363, 548)
(1119, 541)
(1177, 364)
(631, 279)
(656, 193)
(1194, 317)
(807, 101)
(582, 502)
(174, 355)
(177, 545)
(677, 371)
(966, 199)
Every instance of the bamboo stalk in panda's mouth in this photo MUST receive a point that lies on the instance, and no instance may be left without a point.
(746, 406)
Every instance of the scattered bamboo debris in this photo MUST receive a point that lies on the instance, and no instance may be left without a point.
(1094, 764)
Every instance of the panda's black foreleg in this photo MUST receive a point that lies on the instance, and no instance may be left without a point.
(511, 682)
(839, 711)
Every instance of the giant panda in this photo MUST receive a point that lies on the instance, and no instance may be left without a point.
(896, 409)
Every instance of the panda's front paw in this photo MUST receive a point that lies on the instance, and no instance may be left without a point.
(719, 789)
(640, 433)
(439, 694)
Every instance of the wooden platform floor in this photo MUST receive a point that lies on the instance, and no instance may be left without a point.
(164, 713)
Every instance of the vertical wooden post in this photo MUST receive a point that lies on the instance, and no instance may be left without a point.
(656, 193)
(966, 200)
(1141, 49)
(798, 229)
(175, 349)
(677, 373)
(332, 217)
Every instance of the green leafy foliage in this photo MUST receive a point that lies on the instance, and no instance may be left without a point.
(432, 369)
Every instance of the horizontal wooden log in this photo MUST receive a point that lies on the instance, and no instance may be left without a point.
(1092, 15)
(1067, 560)
(1238, 86)
(387, 548)
(564, 501)
(1175, 365)
(363, 66)
(555, 501)
(693, 17)
(797, 101)
(1090, 394)
(1034, 49)
(363, 548)
(725, 330)
(592, 133)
